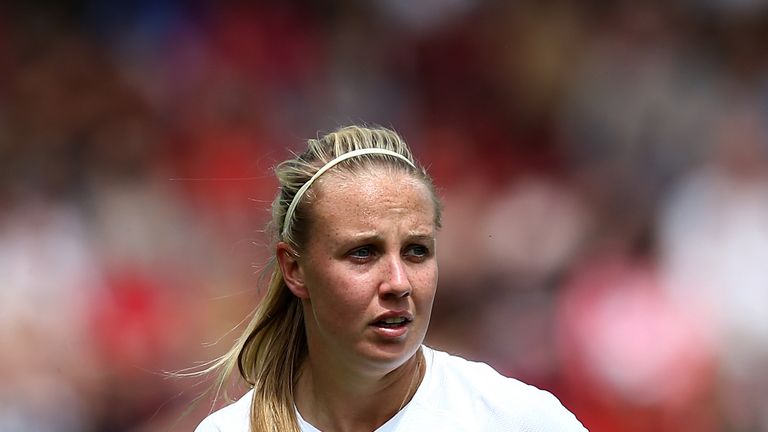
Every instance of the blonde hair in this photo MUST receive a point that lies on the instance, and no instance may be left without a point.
(273, 345)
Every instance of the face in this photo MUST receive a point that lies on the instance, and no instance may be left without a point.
(368, 273)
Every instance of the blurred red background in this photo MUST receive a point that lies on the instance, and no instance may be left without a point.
(602, 165)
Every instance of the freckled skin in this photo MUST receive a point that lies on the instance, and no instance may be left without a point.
(370, 250)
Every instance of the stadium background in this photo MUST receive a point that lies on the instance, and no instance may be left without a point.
(602, 165)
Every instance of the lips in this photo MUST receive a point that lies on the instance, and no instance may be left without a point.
(393, 319)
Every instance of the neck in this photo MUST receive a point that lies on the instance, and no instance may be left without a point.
(343, 400)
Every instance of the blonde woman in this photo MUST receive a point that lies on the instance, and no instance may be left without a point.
(336, 344)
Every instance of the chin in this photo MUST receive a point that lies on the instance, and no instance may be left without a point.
(390, 356)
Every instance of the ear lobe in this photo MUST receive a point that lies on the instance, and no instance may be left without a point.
(293, 275)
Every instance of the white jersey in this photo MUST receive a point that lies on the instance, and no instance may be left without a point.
(455, 395)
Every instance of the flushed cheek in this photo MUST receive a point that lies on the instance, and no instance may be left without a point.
(342, 306)
(426, 286)
(346, 311)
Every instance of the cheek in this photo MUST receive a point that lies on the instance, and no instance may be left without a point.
(338, 296)
(426, 280)
(425, 288)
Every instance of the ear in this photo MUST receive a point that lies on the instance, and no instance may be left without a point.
(293, 274)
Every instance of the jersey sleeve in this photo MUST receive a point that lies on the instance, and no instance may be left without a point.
(234, 417)
(475, 397)
(529, 409)
(208, 425)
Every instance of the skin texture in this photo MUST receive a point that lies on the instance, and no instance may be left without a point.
(370, 251)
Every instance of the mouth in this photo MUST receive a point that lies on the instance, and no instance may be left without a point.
(393, 322)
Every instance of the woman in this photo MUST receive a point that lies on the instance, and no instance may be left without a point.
(336, 344)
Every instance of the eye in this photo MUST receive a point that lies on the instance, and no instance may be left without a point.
(417, 252)
(362, 254)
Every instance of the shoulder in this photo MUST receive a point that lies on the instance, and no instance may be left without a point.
(232, 418)
(503, 403)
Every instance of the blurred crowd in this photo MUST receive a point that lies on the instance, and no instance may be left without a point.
(603, 165)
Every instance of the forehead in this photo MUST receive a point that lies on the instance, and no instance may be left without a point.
(355, 199)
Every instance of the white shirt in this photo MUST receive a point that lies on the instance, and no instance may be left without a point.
(455, 395)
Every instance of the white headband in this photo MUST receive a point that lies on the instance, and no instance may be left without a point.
(326, 167)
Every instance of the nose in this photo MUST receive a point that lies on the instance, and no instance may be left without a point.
(395, 280)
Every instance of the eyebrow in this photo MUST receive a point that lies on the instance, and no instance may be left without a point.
(372, 236)
(422, 237)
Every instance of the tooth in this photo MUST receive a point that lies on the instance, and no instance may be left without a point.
(394, 320)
